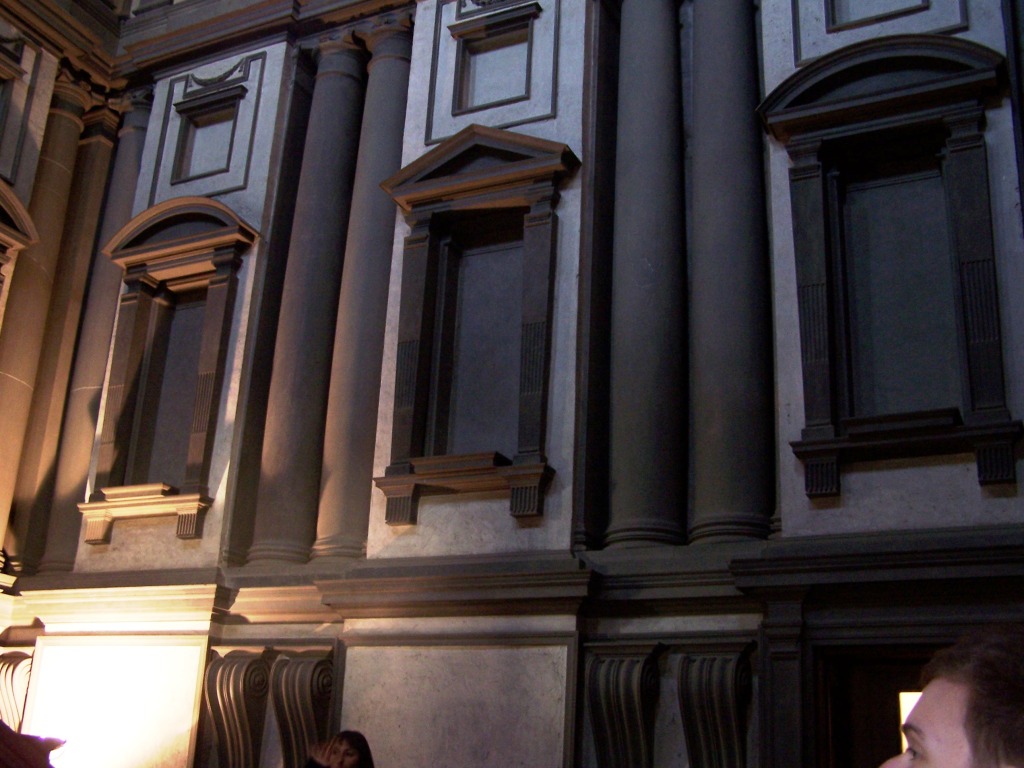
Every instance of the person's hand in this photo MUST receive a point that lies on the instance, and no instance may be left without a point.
(325, 752)
(321, 753)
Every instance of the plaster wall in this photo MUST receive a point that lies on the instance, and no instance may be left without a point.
(934, 492)
(482, 523)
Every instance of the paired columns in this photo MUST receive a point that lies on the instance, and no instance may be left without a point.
(83, 401)
(322, 342)
(35, 483)
(727, 342)
(297, 407)
(31, 287)
(350, 435)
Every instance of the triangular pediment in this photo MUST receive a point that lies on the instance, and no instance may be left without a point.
(881, 77)
(476, 162)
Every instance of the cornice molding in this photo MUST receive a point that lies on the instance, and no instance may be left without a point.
(85, 32)
(899, 556)
(459, 587)
(166, 35)
(166, 608)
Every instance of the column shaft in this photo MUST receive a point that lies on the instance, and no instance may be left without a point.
(34, 488)
(648, 412)
(351, 430)
(730, 320)
(83, 401)
(32, 282)
(289, 488)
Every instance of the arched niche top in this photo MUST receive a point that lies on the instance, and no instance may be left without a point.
(181, 237)
(17, 230)
(882, 78)
(481, 167)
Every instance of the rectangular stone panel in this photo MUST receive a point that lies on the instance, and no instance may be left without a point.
(487, 705)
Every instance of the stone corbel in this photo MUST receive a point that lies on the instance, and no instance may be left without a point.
(136, 501)
(622, 695)
(15, 668)
(300, 691)
(236, 697)
(714, 700)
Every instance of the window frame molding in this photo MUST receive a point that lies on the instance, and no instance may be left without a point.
(935, 82)
(477, 169)
(156, 260)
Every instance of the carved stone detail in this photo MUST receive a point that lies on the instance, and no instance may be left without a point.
(714, 698)
(15, 668)
(622, 694)
(236, 697)
(300, 690)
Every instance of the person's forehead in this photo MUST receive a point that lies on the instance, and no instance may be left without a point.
(942, 706)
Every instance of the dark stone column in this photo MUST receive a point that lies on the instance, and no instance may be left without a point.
(648, 355)
(351, 430)
(730, 300)
(289, 489)
(34, 489)
(83, 402)
(28, 299)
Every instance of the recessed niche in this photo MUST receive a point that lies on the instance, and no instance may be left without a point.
(494, 70)
(206, 133)
(205, 144)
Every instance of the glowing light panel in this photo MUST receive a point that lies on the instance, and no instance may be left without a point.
(907, 701)
(119, 702)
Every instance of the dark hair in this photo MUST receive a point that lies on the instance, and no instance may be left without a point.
(358, 742)
(990, 663)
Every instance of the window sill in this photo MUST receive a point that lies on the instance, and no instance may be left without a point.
(909, 436)
(403, 484)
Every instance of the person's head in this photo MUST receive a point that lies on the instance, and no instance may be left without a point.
(354, 750)
(971, 710)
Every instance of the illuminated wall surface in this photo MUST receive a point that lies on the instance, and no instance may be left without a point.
(87, 691)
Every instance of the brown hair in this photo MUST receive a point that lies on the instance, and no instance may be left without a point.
(990, 663)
